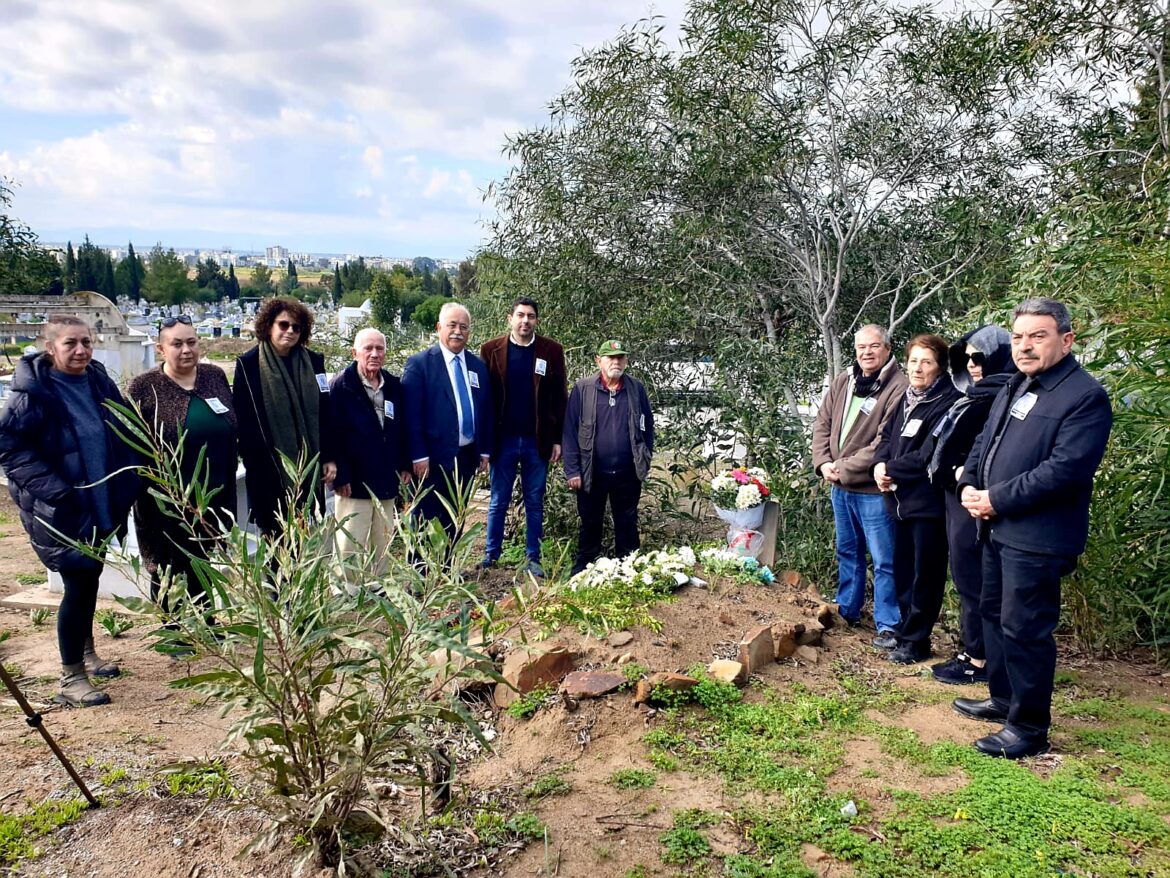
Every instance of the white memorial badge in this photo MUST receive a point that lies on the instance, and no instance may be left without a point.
(541, 366)
(216, 406)
(1023, 405)
(474, 378)
(867, 406)
(912, 427)
(322, 382)
(389, 409)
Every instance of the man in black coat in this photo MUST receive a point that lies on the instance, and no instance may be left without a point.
(371, 449)
(1028, 480)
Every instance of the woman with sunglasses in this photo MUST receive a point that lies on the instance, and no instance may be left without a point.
(982, 364)
(281, 395)
(189, 406)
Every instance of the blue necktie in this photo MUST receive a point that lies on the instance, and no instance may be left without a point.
(467, 418)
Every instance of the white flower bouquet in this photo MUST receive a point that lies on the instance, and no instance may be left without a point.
(738, 496)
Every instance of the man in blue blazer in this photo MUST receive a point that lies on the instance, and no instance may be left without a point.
(1028, 480)
(447, 397)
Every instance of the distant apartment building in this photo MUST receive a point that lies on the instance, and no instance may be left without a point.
(275, 255)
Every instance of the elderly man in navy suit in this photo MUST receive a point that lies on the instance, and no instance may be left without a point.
(447, 397)
(1028, 480)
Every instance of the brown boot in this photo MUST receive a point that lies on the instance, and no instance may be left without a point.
(77, 691)
(95, 665)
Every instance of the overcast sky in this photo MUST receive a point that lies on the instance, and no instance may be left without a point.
(341, 126)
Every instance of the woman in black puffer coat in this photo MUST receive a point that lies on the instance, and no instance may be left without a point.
(900, 461)
(982, 364)
(72, 478)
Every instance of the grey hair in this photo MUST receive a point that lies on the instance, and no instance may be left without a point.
(448, 307)
(56, 324)
(369, 330)
(881, 332)
(1042, 306)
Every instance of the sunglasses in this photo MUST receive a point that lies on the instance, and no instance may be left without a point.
(285, 326)
(978, 358)
(168, 322)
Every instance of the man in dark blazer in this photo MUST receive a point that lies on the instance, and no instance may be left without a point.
(371, 453)
(447, 396)
(529, 390)
(1028, 479)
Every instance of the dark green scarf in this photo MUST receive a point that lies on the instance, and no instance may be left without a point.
(291, 404)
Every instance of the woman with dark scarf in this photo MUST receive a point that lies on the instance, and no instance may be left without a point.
(184, 396)
(916, 506)
(281, 395)
(982, 364)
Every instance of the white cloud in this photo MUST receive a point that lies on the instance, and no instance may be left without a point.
(221, 113)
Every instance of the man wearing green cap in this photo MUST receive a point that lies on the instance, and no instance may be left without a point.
(607, 446)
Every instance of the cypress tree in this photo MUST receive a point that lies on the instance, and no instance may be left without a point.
(70, 269)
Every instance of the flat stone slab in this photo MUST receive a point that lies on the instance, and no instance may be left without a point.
(620, 638)
(591, 684)
(39, 597)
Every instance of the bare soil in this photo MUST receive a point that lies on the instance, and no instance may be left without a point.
(596, 830)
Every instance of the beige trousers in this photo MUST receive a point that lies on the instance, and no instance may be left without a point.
(363, 525)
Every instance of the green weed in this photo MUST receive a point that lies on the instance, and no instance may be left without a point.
(18, 832)
(527, 704)
(38, 616)
(30, 578)
(208, 779)
(526, 825)
(685, 843)
(551, 784)
(114, 624)
(632, 779)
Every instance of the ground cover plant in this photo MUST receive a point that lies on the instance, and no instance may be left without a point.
(1100, 810)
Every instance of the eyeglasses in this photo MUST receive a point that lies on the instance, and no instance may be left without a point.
(285, 326)
(168, 322)
(978, 358)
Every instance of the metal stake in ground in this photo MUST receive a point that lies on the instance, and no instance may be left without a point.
(34, 720)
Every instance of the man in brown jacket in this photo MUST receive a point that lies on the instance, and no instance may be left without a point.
(529, 391)
(845, 435)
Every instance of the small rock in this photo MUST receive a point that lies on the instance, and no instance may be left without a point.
(625, 658)
(808, 654)
(756, 648)
(620, 638)
(590, 684)
(784, 637)
(525, 669)
(791, 578)
(727, 671)
(673, 682)
(725, 618)
(812, 635)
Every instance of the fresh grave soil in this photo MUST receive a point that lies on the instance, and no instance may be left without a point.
(595, 828)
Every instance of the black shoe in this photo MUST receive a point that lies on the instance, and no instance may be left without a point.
(1006, 744)
(486, 564)
(985, 709)
(909, 654)
(959, 671)
(885, 639)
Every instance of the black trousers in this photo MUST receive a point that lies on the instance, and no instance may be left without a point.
(442, 481)
(966, 573)
(1021, 609)
(75, 615)
(920, 577)
(622, 491)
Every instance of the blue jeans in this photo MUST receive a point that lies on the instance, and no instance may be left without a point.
(863, 524)
(517, 451)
